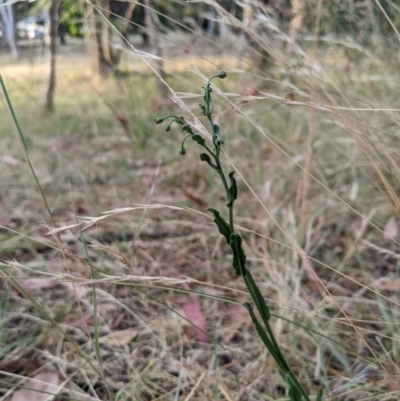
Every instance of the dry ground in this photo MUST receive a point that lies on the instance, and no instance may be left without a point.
(105, 309)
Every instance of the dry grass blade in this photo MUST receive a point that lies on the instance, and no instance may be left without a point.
(311, 127)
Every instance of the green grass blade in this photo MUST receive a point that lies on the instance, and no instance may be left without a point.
(25, 146)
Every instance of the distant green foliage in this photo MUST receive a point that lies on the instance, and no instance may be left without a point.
(356, 18)
(168, 12)
(72, 16)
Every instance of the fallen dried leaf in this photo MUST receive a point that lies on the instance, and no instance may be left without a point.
(42, 387)
(195, 198)
(391, 285)
(79, 290)
(392, 227)
(118, 338)
(238, 315)
(32, 284)
(195, 315)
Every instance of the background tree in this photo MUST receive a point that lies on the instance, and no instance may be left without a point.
(296, 22)
(52, 43)
(106, 43)
(152, 29)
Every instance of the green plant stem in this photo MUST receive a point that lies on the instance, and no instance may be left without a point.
(216, 154)
(227, 229)
(210, 152)
(269, 339)
(25, 146)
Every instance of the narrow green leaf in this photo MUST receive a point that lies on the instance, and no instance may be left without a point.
(232, 191)
(207, 94)
(223, 226)
(261, 332)
(204, 157)
(13, 116)
(295, 393)
(203, 109)
(199, 139)
(186, 128)
(25, 146)
(257, 297)
(319, 395)
(239, 257)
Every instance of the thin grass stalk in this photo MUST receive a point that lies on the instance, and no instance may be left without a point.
(33, 301)
(94, 300)
(46, 316)
(25, 146)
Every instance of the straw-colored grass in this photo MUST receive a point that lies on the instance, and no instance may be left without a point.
(314, 140)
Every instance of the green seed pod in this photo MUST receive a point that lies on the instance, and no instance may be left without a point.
(159, 120)
(169, 126)
(217, 140)
(221, 74)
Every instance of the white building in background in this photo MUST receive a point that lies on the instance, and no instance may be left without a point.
(8, 24)
(10, 30)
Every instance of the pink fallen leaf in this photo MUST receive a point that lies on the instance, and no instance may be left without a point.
(11, 160)
(42, 387)
(195, 315)
(391, 285)
(392, 227)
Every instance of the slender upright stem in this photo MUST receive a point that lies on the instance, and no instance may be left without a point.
(296, 391)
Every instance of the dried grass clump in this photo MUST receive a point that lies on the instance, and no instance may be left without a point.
(101, 307)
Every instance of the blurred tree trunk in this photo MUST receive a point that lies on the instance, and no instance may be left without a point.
(243, 41)
(106, 49)
(211, 24)
(296, 22)
(6, 12)
(125, 23)
(51, 41)
(151, 25)
(256, 35)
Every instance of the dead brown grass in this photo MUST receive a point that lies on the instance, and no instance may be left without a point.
(316, 148)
